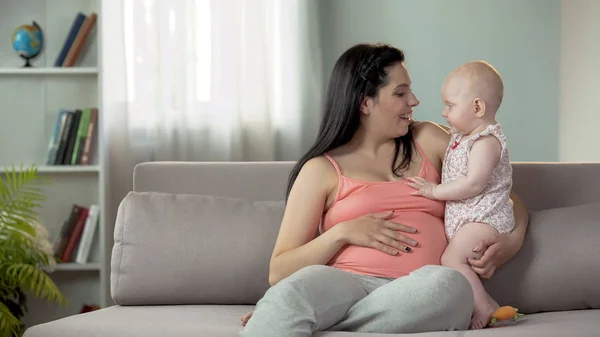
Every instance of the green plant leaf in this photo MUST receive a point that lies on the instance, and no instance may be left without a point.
(9, 324)
(23, 245)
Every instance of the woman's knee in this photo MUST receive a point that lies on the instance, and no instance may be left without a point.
(444, 280)
(453, 287)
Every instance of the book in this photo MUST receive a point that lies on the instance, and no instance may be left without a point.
(73, 32)
(80, 40)
(54, 143)
(64, 139)
(80, 136)
(85, 243)
(72, 137)
(75, 235)
(91, 133)
(62, 239)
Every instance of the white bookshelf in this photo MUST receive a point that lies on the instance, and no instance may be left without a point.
(76, 266)
(30, 100)
(59, 169)
(49, 71)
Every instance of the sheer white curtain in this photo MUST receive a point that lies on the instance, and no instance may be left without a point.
(221, 80)
(200, 80)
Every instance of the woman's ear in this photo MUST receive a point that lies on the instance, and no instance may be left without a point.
(479, 107)
(365, 104)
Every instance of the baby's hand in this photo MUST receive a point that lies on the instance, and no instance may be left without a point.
(423, 187)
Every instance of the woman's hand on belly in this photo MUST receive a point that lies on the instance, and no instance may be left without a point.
(376, 231)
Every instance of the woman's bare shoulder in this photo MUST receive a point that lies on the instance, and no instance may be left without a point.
(319, 171)
(319, 167)
(317, 178)
(433, 139)
(431, 129)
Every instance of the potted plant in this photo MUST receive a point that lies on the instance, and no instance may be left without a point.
(25, 251)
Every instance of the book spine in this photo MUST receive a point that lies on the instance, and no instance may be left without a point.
(81, 133)
(85, 156)
(64, 139)
(80, 40)
(75, 27)
(55, 139)
(75, 236)
(83, 251)
(72, 137)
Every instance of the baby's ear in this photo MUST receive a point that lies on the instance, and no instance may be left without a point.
(479, 107)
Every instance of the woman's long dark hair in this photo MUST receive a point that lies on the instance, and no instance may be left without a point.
(360, 71)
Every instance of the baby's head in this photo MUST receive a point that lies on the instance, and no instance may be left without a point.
(472, 94)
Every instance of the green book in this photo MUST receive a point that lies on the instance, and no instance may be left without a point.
(84, 123)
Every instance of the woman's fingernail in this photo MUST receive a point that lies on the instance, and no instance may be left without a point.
(414, 243)
(394, 252)
(407, 249)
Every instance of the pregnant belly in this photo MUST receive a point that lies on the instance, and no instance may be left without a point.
(369, 261)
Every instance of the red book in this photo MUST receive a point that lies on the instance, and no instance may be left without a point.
(75, 236)
(80, 40)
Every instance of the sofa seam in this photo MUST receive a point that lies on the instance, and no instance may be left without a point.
(121, 250)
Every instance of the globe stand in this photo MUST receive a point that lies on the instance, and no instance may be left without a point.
(27, 63)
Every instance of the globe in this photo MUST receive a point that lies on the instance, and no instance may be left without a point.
(27, 41)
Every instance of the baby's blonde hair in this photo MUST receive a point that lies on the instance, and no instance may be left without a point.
(485, 82)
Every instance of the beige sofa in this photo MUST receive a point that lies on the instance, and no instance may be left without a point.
(192, 248)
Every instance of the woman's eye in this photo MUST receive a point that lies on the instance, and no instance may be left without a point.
(400, 94)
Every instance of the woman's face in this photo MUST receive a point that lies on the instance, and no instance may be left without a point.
(390, 113)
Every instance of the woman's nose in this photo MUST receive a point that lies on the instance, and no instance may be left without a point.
(415, 102)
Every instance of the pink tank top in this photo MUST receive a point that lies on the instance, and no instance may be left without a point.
(356, 198)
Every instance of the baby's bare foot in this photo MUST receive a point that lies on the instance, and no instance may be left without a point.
(246, 317)
(482, 315)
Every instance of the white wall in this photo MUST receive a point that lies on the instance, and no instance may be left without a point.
(579, 138)
(521, 38)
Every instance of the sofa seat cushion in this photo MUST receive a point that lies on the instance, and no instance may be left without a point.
(224, 321)
(148, 321)
(575, 323)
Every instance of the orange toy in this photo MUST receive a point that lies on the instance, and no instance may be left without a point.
(503, 315)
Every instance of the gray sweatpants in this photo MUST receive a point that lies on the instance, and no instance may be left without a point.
(319, 298)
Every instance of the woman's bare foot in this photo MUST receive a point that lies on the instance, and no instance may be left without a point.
(482, 314)
(246, 317)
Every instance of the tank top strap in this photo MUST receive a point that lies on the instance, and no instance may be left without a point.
(420, 150)
(426, 163)
(335, 165)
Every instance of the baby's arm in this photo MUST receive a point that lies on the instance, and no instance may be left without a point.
(484, 156)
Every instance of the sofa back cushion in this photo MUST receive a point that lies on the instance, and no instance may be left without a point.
(174, 247)
(558, 266)
(192, 249)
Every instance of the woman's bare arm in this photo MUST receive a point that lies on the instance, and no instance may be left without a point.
(499, 249)
(295, 247)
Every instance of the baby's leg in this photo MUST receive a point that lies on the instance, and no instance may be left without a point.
(455, 256)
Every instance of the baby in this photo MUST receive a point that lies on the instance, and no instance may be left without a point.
(476, 174)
